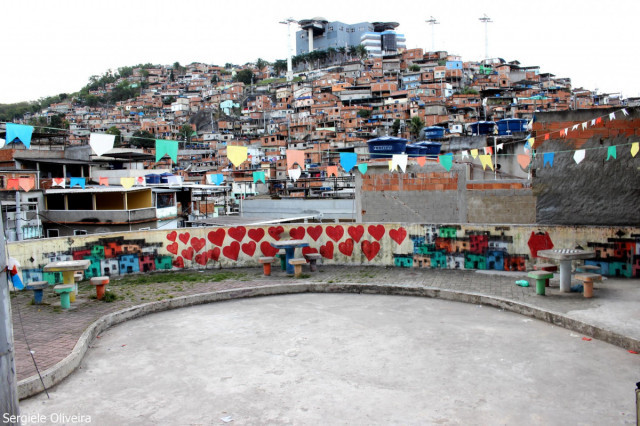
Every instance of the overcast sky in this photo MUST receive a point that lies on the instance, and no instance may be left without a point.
(51, 47)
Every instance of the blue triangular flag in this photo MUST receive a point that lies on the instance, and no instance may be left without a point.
(258, 176)
(77, 181)
(20, 132)
(348, 160)
(548, 158)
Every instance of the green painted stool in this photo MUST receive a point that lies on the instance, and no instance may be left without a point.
(64, 290)
(541, 277)
(283, 260)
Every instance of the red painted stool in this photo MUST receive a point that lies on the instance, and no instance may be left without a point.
(100, 283)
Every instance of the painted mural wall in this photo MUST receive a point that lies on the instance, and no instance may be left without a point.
(426, 246)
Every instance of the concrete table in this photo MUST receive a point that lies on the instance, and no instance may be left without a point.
(289, 247)
(566, 256)
(68, 269)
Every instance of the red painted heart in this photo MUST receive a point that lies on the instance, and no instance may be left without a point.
(184, 237)
(216, 237)
(327, 250)
(214, 254)
(308, 250)
(376, 231)
(335, 232)
(187, 253)
(256, 234)
(198, 243)
(314, 232)
(179, 262)
(171, 236)
(231, 251)
(346, 247)
(249, 248)
(237, 233)
(268, 250)
(202, 258)
(356, 232)
(370, 249)
(297, 233)
(173, 248)
(275, 232)
(398, 235)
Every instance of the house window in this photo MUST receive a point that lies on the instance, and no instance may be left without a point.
(52, 233)
(79, 232)
(2, 181)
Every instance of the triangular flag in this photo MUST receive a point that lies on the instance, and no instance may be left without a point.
(295, 156)
(421, 161)
(104, 181)
(332, 170)
(400, 160)
(259, 176)
(2, 142)
(363, 167)
(546, 136)
(140, 181)
(166, 147)
(392, 167)
(624, 111)
(611, 152)
(465, 154)
(126, 182)
(348, 160)
(237, 154)
(474, 153)
(58, 182)
(579, 156)
(634, 148)
(548, 158)
(215, 178)
(488, 150)
(500, 147)
(598, 120)
(27, 183)
(101, 143)
(446, 161)
(584, 125)
(294, 174)
(77, 181)
(593, 122)
(12, 267)
(531, 141)
(563, 133)
(485, 160)
(575, 127)
(612, 116)
(19, 131)
(524, 160)
(13, 183)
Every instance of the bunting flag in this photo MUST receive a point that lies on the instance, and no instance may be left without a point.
(486, 161)
(363, 168)
(474, 153)
(500, 147)
(295, 156)
(575, 127)
(101, 143)
(446, 161)
(634, 148)
(563, 133)
(140, 181)
(13, 184)
(488, 150)
(77, 181)
(126, 182)
(524, 160)
(259, 176)
(294, 174)
(548, 159)
(2, 142)
(400, 160)
(164, 147)
(593, 122)
(612, 116)
(546, 136)
(348, 160)
(215, 178)
(584, 125)
(611, 152)
(392, 167)
(104, 181)
(237, 154)
(465, 154)
(332, 170)
(12, 267)
(531, 141)
(421, 161)
(598, 120)
(58, 182)
(19, 131)
(27, 184)
(578, 156)
(624, 111)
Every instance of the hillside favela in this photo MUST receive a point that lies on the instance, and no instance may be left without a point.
(379, 194)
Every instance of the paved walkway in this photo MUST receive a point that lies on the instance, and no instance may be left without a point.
(52, 333)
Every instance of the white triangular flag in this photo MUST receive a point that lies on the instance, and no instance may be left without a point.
(584, 125)
(624, 111)
(465, 154)
(575, 127)
(294, 174)
(2, 142)
(499, 147)
(578, 156)
(101, 143)
(400, 160)
(612, 116)
(593, 122)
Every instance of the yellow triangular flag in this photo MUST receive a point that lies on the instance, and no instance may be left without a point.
(237, 154)
(486, 161)
(127, 182)
(474, 153)
(634, 149)
(532, 141)
(392, 166)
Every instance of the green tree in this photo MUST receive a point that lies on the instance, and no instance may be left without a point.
(353, 51)
(364, 113)
(186, 131)
(280, 66)
(415, 125)
(414, 68)
(113, 130)
(395, 127)
(143, 139)
(361, 51)
(261, 63)
(343, 51)
(245, 76)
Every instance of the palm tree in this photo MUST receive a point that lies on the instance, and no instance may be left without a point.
(261, 63)
(362, 51)
(331, 52)
(415, 125)
(343, 51)
(352, 52)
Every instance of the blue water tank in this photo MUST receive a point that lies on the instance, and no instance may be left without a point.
(511, 125)
(433, 132)
(152, 178)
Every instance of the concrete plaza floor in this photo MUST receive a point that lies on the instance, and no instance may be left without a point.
(345, 359)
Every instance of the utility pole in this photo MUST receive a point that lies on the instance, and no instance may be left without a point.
(8, 383)
(486, 21)
(432, 21)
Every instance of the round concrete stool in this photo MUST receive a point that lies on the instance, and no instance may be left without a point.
(65, 291)
(100, 283)
(37, 287)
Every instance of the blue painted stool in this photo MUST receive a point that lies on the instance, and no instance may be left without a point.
(37, 287)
